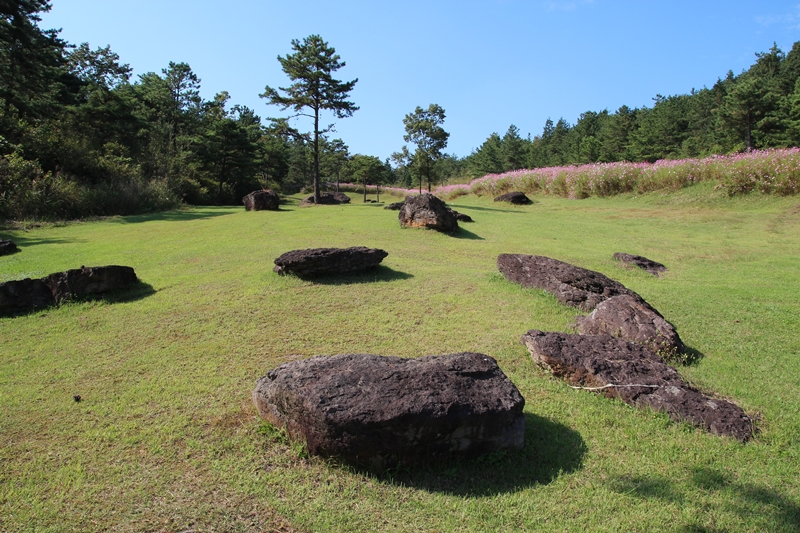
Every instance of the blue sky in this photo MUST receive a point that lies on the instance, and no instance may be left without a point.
(488, 63)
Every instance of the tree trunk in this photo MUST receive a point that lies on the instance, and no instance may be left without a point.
(316, 156)
(365, 189)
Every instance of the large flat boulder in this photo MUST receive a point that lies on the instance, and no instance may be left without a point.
(427, 211)
(89, 281)
(516, 197)
(7, 247)
(648, 265)
(628, 371)
(30, 294)
(320, 261)
(572, 285)
(266, 200)
(327, 198)
(384, 411)
(19, 296)
(634, 320)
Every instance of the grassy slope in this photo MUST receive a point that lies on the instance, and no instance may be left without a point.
(166, 437)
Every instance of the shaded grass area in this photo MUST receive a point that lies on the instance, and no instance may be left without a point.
(166, 438)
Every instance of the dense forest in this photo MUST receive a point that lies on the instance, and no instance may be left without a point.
(79, 137)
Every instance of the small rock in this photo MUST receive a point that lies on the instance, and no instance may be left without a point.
(319, 261)
(77, 398)
(427, 211)
(383, 411)
(396, 206)
(262, 200)
(644, 263)
(328, 198)
(461, 217)
(7, 247)
(516, 197)
(621, 369)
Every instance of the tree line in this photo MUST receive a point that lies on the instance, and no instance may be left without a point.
(79, 136)
(757, 109)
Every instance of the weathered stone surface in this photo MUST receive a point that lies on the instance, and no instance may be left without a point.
(572, 285)
(631, 372)
(7, 247)
(395, 206)
(642, 262)
(383, 411)
(515, 197)
(328, 198)
(89, 281)
(319, 261)
(634, 320)
(23, 295)
(262, 200)
(427, 211)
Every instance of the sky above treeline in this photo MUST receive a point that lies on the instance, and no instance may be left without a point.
(488, 63)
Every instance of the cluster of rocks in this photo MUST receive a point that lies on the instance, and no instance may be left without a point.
(266, 199)
(7, 247)
(617, 346)
(321, 261)
(385, 411)
(516, 197)
(30, 294)
(327, 198)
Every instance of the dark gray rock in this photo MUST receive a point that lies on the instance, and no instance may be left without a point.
(572, 285)
(89, 281)
(515, 197)
(7, 247)
(461, 217)
(262, 200)
(328, 198)
(384, 411)
(642, 262)
(621, 369)
(396, 206)
(319, 261)
(24, 295)
(427, 211)
(31, 294)
(634, 320)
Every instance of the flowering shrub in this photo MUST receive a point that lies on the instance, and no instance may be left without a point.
(768, 171)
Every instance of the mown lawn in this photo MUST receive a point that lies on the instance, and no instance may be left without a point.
(166, 437)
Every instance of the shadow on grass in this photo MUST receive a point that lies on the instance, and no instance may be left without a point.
(462, 233)
(379, 273)
(180, 215)
(691, 356)
(747, 500)
(24, 242)
(551, 449)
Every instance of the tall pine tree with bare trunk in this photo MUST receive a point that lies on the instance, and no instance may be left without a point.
(313, 90)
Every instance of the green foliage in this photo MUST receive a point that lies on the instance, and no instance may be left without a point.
(424, 129)
(315, 89)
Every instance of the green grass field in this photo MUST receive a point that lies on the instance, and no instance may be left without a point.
(166, 437)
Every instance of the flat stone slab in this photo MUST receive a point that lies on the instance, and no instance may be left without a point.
(639, 261)
(570, 284)
(320, 261)
(266, 200)
(634, 320)
(516, 197)
(427, 211)
(31, 294)
(383, 411)
(327, 198)
(7, 247)
(621, 369)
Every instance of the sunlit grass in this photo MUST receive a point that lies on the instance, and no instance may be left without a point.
(166, 438)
